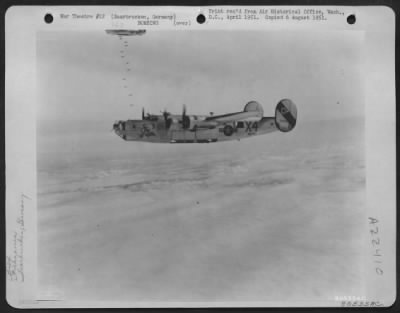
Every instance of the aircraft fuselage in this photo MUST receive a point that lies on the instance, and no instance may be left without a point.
(185, 128)
(158, 131)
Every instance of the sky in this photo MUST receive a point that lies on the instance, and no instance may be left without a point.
(80, 74)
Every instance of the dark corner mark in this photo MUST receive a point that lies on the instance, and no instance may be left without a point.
(48, 18)
(351, 19)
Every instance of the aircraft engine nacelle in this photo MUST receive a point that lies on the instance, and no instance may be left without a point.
(285, 115)
(193, 122)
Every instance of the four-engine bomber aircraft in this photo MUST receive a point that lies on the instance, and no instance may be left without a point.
(186, 128)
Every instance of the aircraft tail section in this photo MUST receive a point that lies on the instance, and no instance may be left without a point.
(254, 106)
(285, 115)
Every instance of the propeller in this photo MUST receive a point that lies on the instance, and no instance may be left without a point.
(167, 118)
(185, 119)
(183, 111)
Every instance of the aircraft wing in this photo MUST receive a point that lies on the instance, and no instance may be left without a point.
(252, 112)
(236, 117)
(216, 117)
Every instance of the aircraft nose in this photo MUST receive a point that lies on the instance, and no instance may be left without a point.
(117, 127)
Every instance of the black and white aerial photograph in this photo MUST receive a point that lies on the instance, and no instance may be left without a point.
(198, 166)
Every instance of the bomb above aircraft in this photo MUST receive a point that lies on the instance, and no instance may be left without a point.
(186, 128)
(125, 32)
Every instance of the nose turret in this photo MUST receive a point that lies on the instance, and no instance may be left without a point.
(119, 129)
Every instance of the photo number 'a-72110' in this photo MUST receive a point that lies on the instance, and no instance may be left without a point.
(185, 128)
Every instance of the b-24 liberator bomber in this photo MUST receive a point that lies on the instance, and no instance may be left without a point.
(186, 128)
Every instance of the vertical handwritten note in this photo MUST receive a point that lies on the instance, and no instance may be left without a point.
(15, 260)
